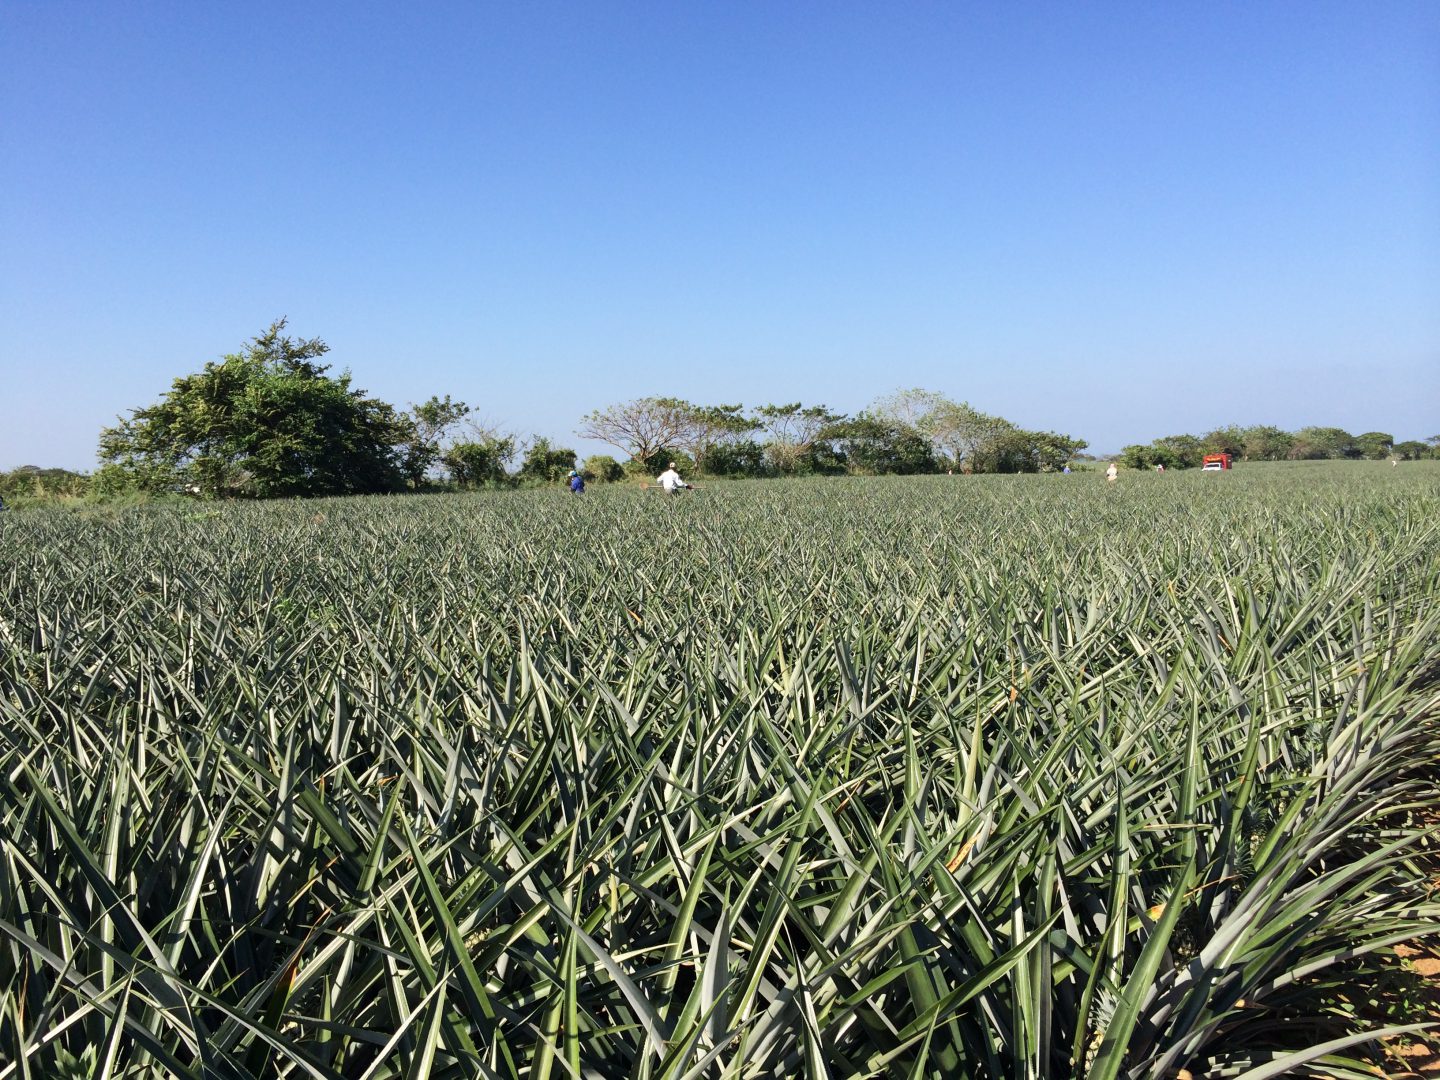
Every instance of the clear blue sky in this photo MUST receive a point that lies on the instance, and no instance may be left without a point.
(1115, 220)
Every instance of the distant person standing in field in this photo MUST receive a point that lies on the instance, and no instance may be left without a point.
(577, 483)
(1111, 472)
(670, 480)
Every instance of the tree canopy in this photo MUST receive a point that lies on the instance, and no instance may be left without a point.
(642, 428)
(431, 424)
(1264, 442)
(544, 462)
(266, 421)
(271, 420)
(910, 431)
(796, 433)
(483, 461)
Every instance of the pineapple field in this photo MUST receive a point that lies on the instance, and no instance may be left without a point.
(1026, 776)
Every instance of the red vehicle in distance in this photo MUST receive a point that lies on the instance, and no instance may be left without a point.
(1214, 462)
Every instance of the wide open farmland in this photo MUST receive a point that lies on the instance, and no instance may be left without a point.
(989, 777)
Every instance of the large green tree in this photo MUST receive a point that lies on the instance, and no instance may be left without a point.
(1411, 450)
(876, 445)
(1265, 442)
(1375, 445)
(1225, 440)
(1324, 442)
(431, 424)
(266, 421)
(483, 461)
(545, 463)
(1172, 451)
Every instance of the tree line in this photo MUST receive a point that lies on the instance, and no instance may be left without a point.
(909, 432)
(1266, 443)
(272, 420)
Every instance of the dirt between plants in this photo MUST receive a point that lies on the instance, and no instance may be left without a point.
(1419, 1055)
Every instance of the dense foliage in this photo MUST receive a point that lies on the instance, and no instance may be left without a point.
(909, 432)
(266, 421)
(1263, 442)
(270, 421)
(993, 776)
(30, 482)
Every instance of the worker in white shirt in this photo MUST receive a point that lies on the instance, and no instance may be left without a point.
(670, 480)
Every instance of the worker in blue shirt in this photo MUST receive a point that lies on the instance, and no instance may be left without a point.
(577, 483)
